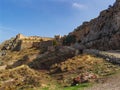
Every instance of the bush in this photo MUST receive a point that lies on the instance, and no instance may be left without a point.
(55, 43)
(69, 40)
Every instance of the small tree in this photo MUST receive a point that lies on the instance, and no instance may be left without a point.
(110, 6)
(69, 39)
(55, 43)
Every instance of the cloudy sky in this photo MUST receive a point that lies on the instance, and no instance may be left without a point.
(46, 17)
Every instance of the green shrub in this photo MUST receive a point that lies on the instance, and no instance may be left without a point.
(55, 43)
(69, 40)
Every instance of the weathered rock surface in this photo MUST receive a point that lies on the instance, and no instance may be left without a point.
(112, 56)
(103, 32)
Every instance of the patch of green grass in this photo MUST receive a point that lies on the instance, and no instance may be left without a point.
(46, 88)
(79, 87)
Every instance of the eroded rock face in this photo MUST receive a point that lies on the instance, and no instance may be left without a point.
(103, 32)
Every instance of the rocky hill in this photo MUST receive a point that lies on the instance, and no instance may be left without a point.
(35, 70)
(103, 32)
(64, 63)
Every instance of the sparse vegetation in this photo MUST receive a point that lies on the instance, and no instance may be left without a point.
(60, 63)
(55, 43)
(23, 77)
(61, 73)
(79, 86)
(69, 40)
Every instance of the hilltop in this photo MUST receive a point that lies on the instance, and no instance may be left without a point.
(103, 32)
(88, 55)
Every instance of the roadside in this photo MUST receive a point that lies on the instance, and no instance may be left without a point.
(111, 83)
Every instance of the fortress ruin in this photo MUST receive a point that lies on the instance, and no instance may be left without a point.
(33, 41)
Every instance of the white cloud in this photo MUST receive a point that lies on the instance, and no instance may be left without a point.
(78, 5)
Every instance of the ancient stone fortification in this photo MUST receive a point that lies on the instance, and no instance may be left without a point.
(32, 38)
(23, 42)
(33, 41)
(103, 32)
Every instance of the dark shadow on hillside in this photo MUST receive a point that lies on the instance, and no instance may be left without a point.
(27, 58)
(19, 62)
(46, 60)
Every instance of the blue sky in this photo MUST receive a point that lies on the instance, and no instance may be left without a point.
(46, 17)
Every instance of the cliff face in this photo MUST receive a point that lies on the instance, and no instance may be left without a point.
(102, 32)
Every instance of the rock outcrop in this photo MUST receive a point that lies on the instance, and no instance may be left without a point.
(111, 56)
(103, 32)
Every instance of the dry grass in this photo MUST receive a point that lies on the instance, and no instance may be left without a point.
(73, 67)
(23, 77)
(62, 69)
(86, 63)
(13, 56)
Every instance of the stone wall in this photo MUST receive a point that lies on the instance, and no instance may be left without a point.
(34, 44)
(33, 38)
(32, 41)
(43, 44)
(20, 36)
(112, 56)
(25, 44)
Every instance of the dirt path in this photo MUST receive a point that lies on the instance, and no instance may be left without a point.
(112, 56)
(112, 83)
(114, 53)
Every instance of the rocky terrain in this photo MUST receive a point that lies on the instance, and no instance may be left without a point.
(90, 55)
(103, 32)
(24, 69)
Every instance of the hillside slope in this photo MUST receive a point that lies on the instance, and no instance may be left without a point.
(103, 32)
(112, 83)
(60, 67)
